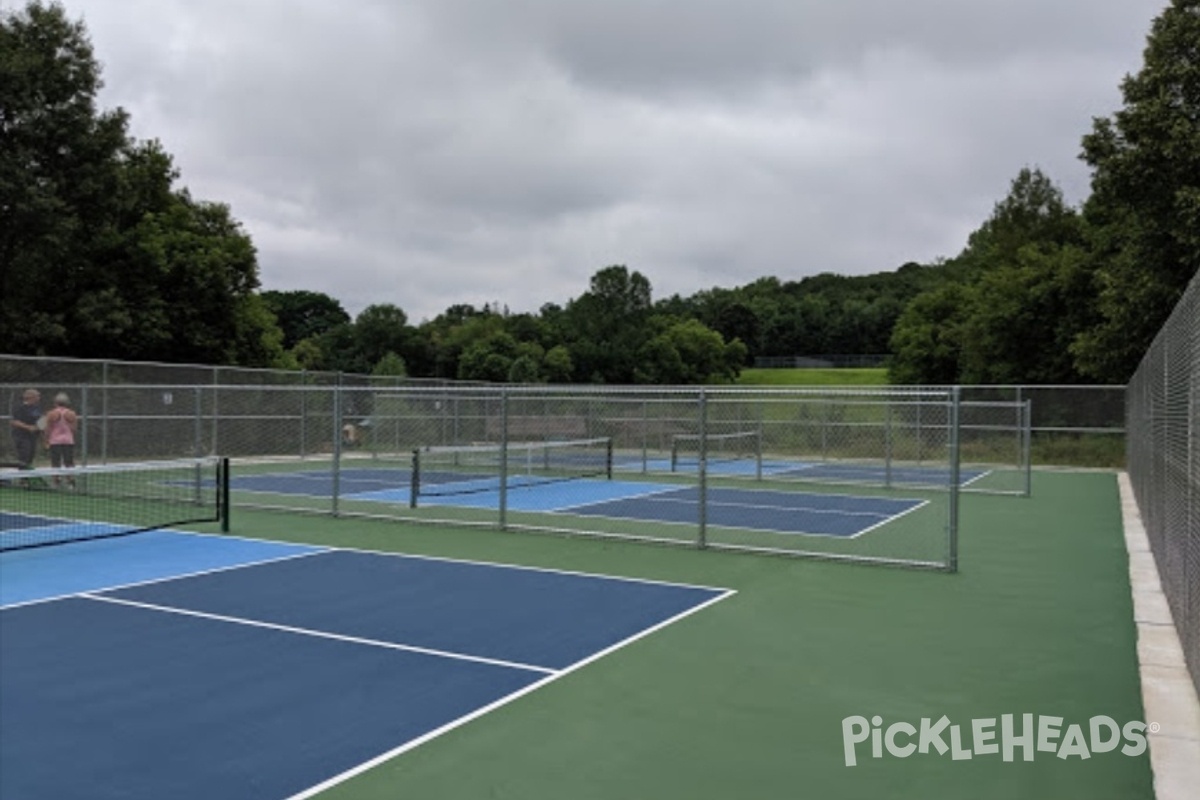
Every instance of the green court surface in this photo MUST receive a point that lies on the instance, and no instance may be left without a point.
(747, 698)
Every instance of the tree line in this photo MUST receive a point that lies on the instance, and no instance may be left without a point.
(103, 255)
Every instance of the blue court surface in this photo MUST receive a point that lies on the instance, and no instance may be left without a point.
(157, 666)
(829, 471)
(770, 511)
(799, 513)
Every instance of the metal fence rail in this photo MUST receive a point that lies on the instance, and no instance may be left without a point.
(335, 428)
(867, 475)
(1164, 462)
(1069, 425)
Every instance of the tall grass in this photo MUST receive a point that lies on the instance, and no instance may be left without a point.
(814, 377)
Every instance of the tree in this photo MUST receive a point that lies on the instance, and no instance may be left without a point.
(606, 325)
(308, 355)
(489, 359)
(1145, 202)
(524, 369)
(928, 339)
(620, 295)
(59, 165)
(197, 275)
(557, 364)
(659, 362)
(1033, 211)
(338, 351)
(304, 314)
(738, 321)
(687, 352)
(1008, 307)
(381, 329)
(138, 270)
(391, 365)
(1028, 314)
(452, 332)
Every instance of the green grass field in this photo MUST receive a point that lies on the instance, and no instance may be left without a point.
(813, 377)
(746, 699)
(1061, 449)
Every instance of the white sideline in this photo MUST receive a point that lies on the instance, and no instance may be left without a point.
(1168, 694)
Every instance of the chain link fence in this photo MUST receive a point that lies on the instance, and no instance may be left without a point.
(868, 439)
(861, 475)
(1164, 462)
(720, 468)
(1070, 426)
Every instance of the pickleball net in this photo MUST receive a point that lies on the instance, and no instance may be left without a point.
(716, 448)
(470, 469)
(56, 506)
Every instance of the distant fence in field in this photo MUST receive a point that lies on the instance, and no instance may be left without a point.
(822, 361)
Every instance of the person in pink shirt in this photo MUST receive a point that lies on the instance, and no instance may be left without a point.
(61, 424)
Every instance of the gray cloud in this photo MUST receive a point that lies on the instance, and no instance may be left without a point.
(434, 152)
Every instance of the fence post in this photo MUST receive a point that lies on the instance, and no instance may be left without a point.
(337, 443)
(198, 432)
(952, 522)
(503, 459)
(1027, 449)
(303, 413)
(1020, 418)
(887, 443)
(104, 413)
(645, 426)
(702, 467)
(83, 427)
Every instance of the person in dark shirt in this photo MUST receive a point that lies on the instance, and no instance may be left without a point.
(24, 427)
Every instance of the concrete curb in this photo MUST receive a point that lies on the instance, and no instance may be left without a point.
(1168, 694)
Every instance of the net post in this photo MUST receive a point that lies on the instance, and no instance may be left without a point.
(415, 478)
(608, 458)
(952, 521)
(223, 493)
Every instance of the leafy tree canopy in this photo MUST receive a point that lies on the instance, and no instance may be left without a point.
(99, 255)
(1145, 202)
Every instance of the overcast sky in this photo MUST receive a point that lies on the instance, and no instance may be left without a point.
(427, 153)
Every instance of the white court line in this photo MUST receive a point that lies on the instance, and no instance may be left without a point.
(252, 623)
(892, 518)
(446, 560)
(479, 712)
(650, 493)
(722, 504)
(812, 493)
(165, 579)
(550, 675)
(985, 473)
(917, 504)
(525, 568)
